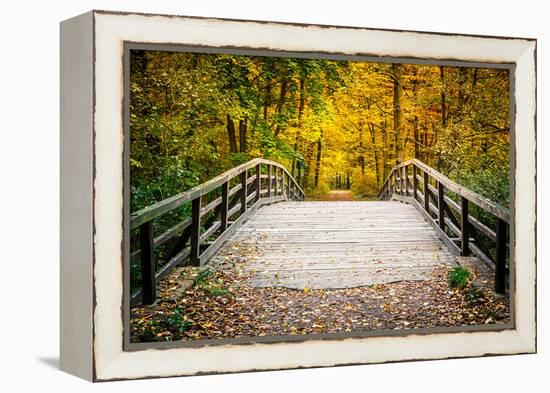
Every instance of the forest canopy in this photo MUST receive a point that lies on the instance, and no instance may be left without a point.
(195, 115)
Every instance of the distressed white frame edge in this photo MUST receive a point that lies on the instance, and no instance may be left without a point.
(112, 30)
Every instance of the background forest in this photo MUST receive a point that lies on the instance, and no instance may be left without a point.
(194, 116)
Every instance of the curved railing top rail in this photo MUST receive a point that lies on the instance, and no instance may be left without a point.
(486, 204)
(162, 207)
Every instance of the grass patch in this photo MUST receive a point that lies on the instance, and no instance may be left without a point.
(219, 292)
(459, 277)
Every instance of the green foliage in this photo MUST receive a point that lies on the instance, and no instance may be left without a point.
(202, 277)
(459, 277)
(177, 320)
(474, 295)
(219, 292)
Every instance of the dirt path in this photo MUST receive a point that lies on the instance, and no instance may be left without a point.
(340, 195)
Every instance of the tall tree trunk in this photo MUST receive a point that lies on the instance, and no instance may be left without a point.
(242, 135)
(301, 107)
(386, 156)
(280, 105)
(443, 97)
(415, 119)
(376, 155)
(267, 99)
(318, 160)
(231, 135)
(397, 111)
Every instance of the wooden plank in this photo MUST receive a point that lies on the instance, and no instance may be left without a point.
(195, 231)
(464, 228)
(225, 206)
(210, 231)
(243, 191)
(426, 193)
(168, 204)
(258, 182)
(211, 206)
(269, 179)
(500, 262)
(148, 283)
(337, 244)
(484, 203)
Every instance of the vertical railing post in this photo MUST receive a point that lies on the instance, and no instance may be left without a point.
(269, 180)
(426, 192)
(276, 191)
(195, 231)
(148, 282)
(243, 190)
(224, 206)
(392, 183)
(464, 228)
(441, 204)
(415, 183)
(500, 266)
(282, 182)
(258, 180)
(406, 170)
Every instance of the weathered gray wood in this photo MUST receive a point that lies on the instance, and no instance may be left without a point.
(415, 182)
(441, 205)
(225, 206)
(464, 227)
(337, 244)
(244, 190)
(426, 192)
(269, 179)
(484, 203)
(258, 182)
(158, 209)
(195, 231)
(148, 282)
(500, 259)
(210, 231)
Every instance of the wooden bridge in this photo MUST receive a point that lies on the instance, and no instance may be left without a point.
(422, 221)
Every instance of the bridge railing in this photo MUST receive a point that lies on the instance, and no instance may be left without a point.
(462, 232)
(230, 210)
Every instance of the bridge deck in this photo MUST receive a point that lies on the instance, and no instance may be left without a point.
(336, 245)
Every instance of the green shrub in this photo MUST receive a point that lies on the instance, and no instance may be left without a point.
(459, 277)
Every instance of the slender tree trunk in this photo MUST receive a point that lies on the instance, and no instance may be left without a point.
(231, 135)
(318, 160)
(443, 97)
(280, 105)
(376, 155)
(267, 99)
(397, 111)
(301, 107)
(242, 135)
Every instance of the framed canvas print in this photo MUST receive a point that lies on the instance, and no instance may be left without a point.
(246, 195)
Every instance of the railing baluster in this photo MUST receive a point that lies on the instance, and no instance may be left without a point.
(282, 183)
(406, 171)
(243, 190)
(148, 282)
(269, 180)
(258, 180)
(426, 191)
(464, 227)
(224, 206)
(441, 204)
(276, 191)
(500, 266)
(415, 183)
(195, 231)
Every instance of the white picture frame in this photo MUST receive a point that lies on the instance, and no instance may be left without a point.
(92, 195)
